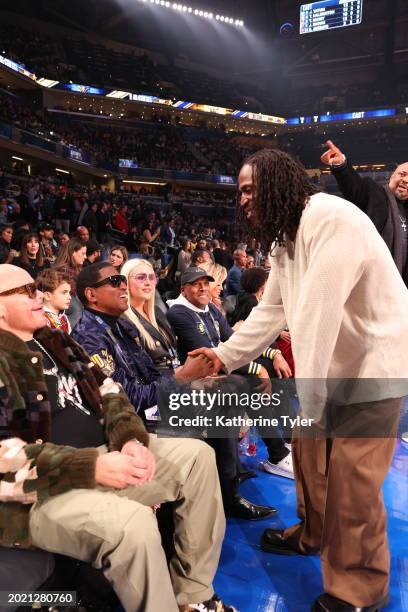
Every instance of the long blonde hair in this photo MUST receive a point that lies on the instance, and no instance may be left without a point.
(127, 268)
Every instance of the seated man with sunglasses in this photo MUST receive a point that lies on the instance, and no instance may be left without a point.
(113, 342)
(62, 490)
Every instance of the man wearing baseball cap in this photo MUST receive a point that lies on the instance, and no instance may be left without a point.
(196, 323)
(59, 487)
(93, 252)
(49, 247)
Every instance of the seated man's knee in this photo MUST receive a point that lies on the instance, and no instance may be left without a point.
(143, 527)
(203, 452)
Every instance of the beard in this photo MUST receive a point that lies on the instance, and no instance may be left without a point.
(401, 193)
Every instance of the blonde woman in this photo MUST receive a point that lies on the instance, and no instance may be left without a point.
(155, 332)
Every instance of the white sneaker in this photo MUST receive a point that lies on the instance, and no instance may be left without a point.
(404, 439)
(212, 605)
(283, 468)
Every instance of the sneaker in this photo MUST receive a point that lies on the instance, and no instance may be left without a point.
(212, 605)
(404, 439)
(283, 468)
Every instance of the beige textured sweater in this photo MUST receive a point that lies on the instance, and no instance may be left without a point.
(340, 294)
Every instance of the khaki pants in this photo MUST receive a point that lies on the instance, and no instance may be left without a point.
(341, 507)
(117, 530)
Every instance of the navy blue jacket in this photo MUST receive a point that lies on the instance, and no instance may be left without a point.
(234, 280)
(191, 333)
(120, 356)
(191, 330)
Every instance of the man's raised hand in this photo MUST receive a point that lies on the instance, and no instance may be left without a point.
(333, 156)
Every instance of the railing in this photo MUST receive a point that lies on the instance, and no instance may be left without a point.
(177, 175)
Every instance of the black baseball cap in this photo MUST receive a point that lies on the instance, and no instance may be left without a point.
(45, 226)
(92, 246)
(192, 274)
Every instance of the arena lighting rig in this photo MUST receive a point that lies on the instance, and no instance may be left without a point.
(182, 8)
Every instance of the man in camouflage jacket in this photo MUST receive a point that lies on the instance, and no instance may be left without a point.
(95, 504)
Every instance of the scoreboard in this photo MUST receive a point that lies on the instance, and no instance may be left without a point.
(328, 14)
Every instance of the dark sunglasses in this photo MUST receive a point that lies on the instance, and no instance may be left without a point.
(30, 289)
(114, 281)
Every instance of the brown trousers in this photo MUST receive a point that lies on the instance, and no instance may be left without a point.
(341, 507)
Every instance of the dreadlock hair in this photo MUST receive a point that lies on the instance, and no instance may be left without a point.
(281, 189)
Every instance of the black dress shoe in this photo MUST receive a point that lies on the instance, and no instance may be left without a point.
(241, 508)
(272, 541)
(328, 603)
(246, 475)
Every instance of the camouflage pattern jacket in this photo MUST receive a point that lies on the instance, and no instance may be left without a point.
(32, 469)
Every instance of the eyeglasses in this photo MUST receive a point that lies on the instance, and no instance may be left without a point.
(114, 281)
(30, 289)
(141, 278)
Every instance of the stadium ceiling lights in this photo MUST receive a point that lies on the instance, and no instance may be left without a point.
(197, 12)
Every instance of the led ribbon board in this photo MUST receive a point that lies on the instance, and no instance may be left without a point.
(368, 114)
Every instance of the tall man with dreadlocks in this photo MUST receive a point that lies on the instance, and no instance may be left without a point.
(334, 284)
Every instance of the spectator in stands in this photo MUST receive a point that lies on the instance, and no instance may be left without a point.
(167, 233)
(93, 252)
(20, 229)
(62, 238)
(48, 245)
(254, 251)
(202, 259)
(90, 219)
(118, 256)
(234, 274)
(387, 207)
(342, 321)
(63, 211)
(7, 254)
(193, 240)
(202, 244)
(3, 211)
(35, 198)
(132, 241)
(215, 293)
(184, 257)
(71, 259)
(221, 255)
(196, 322)
(250, 262)
(56, 291)
(207, 234)
(112, 340)
(252, 286)
(82, 233)
(149, 235)
(31, 257)
(103, 217)
(156, 335)
(60, 411)
(81, 206)
(121, 221)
